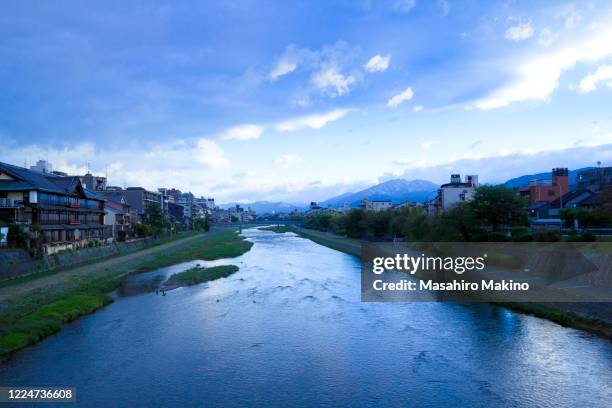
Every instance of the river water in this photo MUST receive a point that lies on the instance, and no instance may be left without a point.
(289, 329)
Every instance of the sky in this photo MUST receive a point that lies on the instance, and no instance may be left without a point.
(303, 100)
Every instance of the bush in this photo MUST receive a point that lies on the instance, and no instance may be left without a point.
(545, 235)
(526, 237)
(584, 237)
(496, 236)
(142, 230)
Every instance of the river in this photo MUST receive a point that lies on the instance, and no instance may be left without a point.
(289, 329)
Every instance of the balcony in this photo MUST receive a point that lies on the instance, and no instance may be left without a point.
(74, 222)
(10, 203)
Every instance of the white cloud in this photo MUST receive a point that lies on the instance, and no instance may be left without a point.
(242, 132)
(377, 63)
(210, 154)
(332, 81)
(504, 165)
(418, 108)
(286, 159)
(282, 68)
(520, 32)
(537, 75)
(400, 98)
(570, 16)
(310, 121)
(427, 144)
(546, 37)
(589, 82)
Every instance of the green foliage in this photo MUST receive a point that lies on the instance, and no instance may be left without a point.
(48, 320)
(17, 237)
(277, 228)
(584, 237)
(142, 230)
(155, 219)
(545, 235)
(497, 206)
(197, 275)
(201, 224)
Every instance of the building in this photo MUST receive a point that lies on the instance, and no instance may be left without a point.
(235, 213)
(119, 219)
(60, 207)
(547, 189)
(176, 213)
(453, 193)
(91, 182)
(119, 215)
(187, 201)
(42, 166)
(551, 209)
(376, 205)
(138, 198)
(595, 179)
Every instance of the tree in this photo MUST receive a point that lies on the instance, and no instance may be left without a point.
(497, 206)
(17, 237)
(155, 218)
(201, 224)
(568, 215)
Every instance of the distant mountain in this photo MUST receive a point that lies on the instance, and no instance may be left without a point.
(396, 190)
(524, 180)
(266, 207)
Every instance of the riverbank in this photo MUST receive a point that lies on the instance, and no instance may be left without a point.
(33, 310)
(567, 315)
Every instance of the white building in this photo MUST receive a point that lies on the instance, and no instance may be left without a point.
(455, 192)
(376, 205)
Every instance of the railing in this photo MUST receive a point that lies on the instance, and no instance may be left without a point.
(10, 203)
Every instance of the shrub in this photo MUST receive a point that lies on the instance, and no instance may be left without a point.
(496, 236)
(526, 237)
(545, 235)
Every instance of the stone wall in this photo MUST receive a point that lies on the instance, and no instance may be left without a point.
(17, 262)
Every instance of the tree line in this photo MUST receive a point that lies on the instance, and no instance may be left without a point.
(496, 213)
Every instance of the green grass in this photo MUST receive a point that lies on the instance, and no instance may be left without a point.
(197, 275)
(43, 272)
(223, 244)
(49, 319)
(278, 228)
(28, 319)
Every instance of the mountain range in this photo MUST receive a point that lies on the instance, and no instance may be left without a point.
(396, 190)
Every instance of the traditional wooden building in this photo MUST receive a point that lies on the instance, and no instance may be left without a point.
(57, 206)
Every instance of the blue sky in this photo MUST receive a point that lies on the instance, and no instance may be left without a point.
(299, 101)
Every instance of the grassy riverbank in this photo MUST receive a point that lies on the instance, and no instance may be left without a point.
(564, 317)
(198, 275)
(44, 271)
(38, 313)
(278, 228)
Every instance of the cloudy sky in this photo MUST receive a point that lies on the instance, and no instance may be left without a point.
(290, 100)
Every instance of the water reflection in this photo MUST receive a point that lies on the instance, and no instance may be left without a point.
(289, 329)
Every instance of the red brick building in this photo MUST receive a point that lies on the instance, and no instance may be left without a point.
(549, 189)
